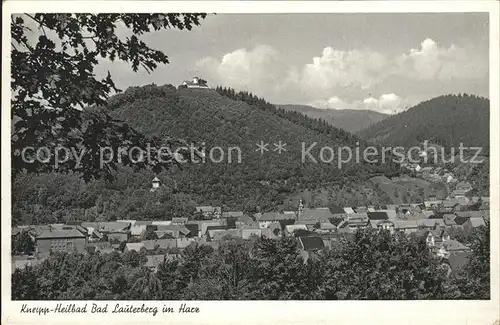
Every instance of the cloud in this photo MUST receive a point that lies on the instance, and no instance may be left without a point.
(386, 103)
(345, 79)
(259, 69)
(434, 62)
(341, 69)
(331, 103)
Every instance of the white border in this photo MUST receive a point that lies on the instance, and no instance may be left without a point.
(266, 312)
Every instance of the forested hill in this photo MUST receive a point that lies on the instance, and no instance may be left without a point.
(261, 182)
(350, 120)
(447, 120)
(205, 116)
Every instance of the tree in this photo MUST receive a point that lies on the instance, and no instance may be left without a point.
(150, 234)
(147, 286)
(24, 284)
(53, 79)
(23, 244)
(134, 259)
(379, 265)
(474, 280)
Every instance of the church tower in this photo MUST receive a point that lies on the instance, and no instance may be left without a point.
(155, 184)
(301, 208)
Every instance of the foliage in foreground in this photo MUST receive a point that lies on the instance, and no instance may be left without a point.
(370, 266)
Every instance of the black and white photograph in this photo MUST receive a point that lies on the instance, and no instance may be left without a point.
(260, 156)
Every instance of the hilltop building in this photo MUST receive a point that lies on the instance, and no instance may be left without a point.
(195, 83)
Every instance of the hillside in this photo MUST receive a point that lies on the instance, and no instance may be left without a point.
(446, 120)
(347, 119)
(206, 118)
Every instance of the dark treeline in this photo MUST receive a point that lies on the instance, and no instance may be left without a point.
(315, 124)
(446, 120)
(369, 265)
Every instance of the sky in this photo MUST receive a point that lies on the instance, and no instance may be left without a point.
(382, 62)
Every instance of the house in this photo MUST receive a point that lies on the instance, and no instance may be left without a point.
(268, 233)
(472, 223)
(143, 222)
(290, 214)
(130, 221)
(115, 231)
(246, 220)
(430, 223)
(232, 214)
(415, 216)
(353, 222)
(361, 209)
(405, 208)
(66, 239)
(434, 237)
(209, 211)
(138, 231)
(391, 214)
(210, 223)
(134, 247)
(317, 215)
(291, 229)
(159, 244)
(450, 246)
(406, 226)
(382, 224)
(211, 230)
(102, 247)
(248, 231)
(326, 228)
(310, 224)
(196, 82)
(427, 214)
(179, 221)
(379, 215)
(275, 228)
(268, 218)
(161, 223)
(172, 231)
(311, 243)
(348, 210)
(432, 204)
(470, 214)
(449, 219)
(194, 229)
(450, 205)
(219, 234)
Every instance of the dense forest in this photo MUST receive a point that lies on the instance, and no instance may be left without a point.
(206, 119)
(368, 265)
(446, 120)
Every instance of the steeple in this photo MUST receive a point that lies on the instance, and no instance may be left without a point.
(155, 183)
(301, 208)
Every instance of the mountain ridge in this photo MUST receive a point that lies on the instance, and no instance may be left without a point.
(351, 120)
(448, 120)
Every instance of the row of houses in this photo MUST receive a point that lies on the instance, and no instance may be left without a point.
(314, 228)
